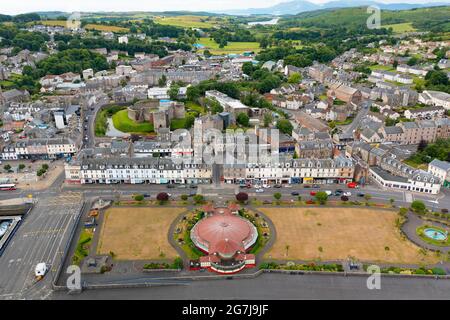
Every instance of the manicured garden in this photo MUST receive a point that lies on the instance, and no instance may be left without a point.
(83, 246)
(432, 238)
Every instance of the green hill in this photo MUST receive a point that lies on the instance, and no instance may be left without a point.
(422, 19)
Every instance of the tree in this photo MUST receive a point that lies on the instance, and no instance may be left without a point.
(395, 64)
(391, 201)
(344, 198)
(295, 78)
(277, 196)
(162, 81)
(418, 206)
(21, 166)
(267, 119)
(162, 197)
(173, 92)
(139, 197)
(199, 199)
(184, 197)
(189, 122)
(243, 119)
(321, 197)
(207, 53)
(242, 197)
(285, 126)
(7, 167)
(422, 145)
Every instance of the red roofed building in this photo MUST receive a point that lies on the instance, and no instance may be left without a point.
(225, 237)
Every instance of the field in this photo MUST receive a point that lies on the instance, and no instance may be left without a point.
(105, 28)
(401, 27)
(339, 233)
(188, 21)
(90, 26)
(232, 47)
(138, 233)
(125, 124)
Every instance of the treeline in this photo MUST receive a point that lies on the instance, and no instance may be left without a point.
(20, 18)
(159, 48)
(21, 39)
(222, 36)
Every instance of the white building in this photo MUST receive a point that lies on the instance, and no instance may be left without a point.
(123, 39)
(435, 98)
(440, 169)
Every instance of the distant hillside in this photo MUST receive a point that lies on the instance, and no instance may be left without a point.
(423, 19)
(298, 6)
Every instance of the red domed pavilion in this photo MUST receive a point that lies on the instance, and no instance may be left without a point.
(225, 237)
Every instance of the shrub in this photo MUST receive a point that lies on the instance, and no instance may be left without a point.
(198, 199)
(438, 271)
(418, 206)
(177, 263)
(184, 197)
(242, 197)
(162, 197)
(321, 197)
(344, 198)
(139, 197)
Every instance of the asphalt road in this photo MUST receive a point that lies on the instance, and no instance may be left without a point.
(41, 237)
(280, 287)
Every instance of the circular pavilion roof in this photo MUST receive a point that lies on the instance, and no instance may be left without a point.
(224, 234)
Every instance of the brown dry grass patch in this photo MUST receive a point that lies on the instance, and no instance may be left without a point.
(363, 234)
(138, 233)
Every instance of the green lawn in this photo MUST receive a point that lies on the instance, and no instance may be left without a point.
(232, 47)
(123, 123)
(381, 67)
(83, 246)
(401, 27)
(177, 124)
(192, 106)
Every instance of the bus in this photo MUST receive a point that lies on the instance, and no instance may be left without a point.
(7, 187)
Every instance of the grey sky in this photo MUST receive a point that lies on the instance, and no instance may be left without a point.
(22, 6)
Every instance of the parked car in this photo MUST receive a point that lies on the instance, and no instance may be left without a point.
(316, 186)
(307, 186)
(266, 186)
(352, 185)
(259, 190)
(146, 195)
(170, 186)
(194, 186)
(313, 193)
(361, 194)
(277, 186)
(295, 193)
(328, 192)
(338, 193)
(347, 193)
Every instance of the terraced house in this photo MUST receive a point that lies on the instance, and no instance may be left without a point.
(136, 171)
